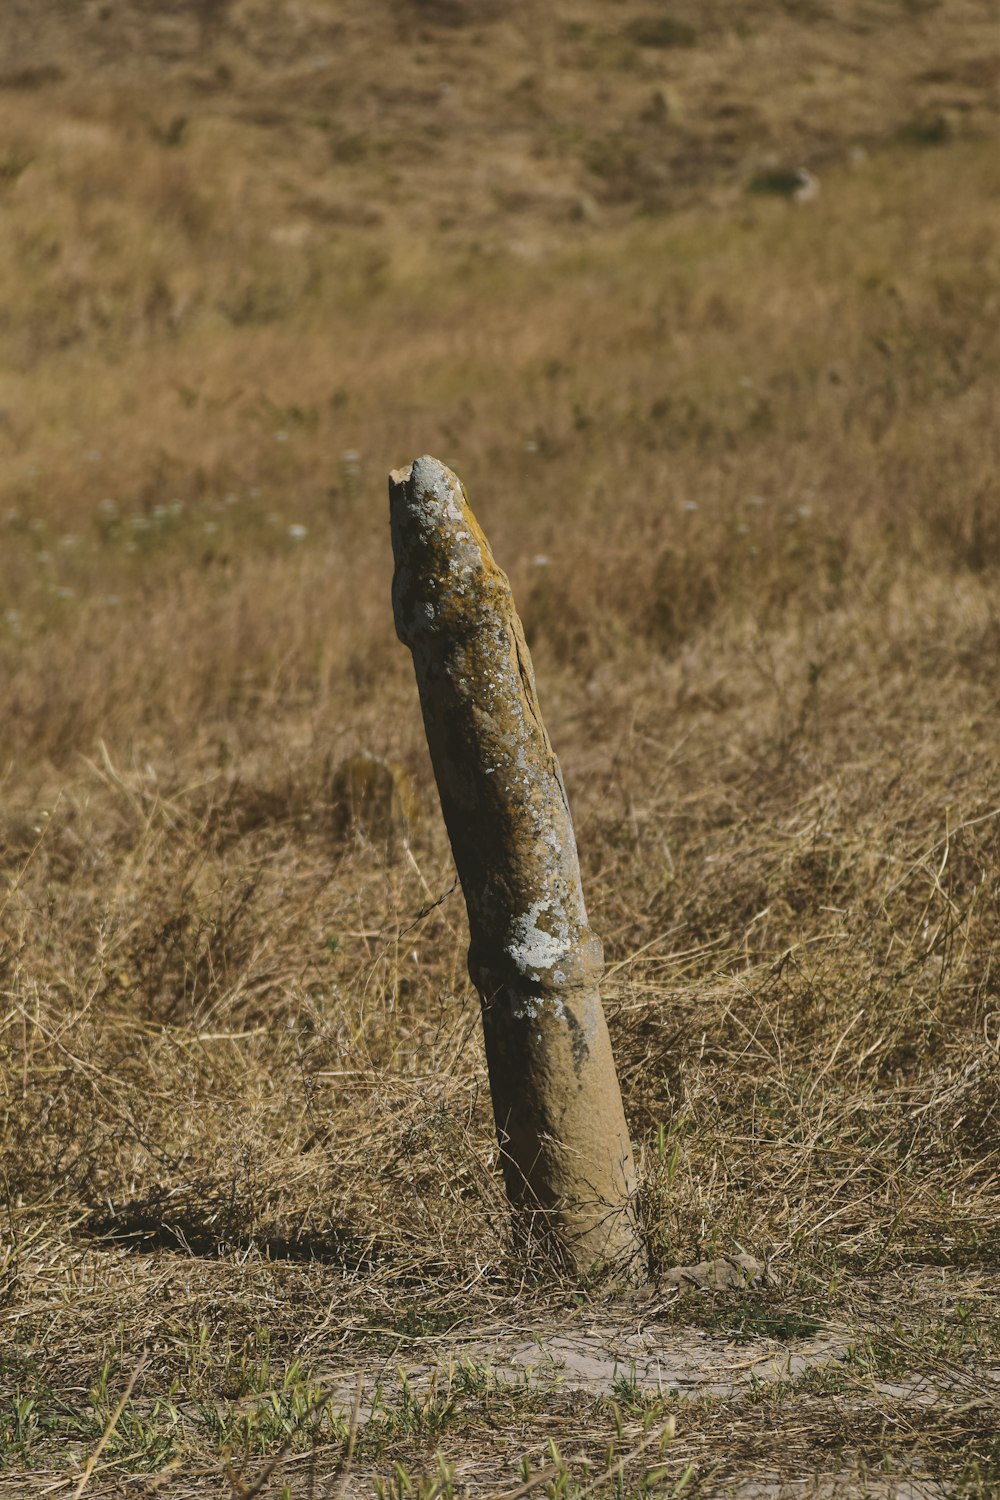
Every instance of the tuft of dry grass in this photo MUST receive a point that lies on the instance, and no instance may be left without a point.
(740, 457)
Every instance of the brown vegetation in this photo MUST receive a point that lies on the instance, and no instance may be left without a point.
(740, 457)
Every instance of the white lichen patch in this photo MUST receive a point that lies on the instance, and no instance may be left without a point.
(532, 948)
(531, 1007)
(433, 490)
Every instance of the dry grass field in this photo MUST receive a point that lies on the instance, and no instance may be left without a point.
(740, 455)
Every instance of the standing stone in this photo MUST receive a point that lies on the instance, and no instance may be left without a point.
(564, 1144)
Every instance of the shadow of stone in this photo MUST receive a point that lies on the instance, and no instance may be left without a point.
(148, 1226)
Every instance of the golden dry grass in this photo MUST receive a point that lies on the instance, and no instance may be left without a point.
(740, 457)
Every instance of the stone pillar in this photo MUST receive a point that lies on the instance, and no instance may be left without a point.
(564, 1144)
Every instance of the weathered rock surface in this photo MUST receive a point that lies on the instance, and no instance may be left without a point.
(726, 1273)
